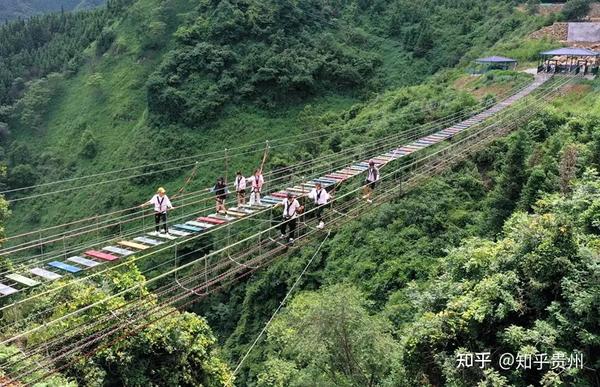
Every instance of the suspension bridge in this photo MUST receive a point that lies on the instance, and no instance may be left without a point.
(404, 161)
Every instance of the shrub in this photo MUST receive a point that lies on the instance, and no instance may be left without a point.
(23, 175)
(88, 145)
(105, 41)
(576, 9)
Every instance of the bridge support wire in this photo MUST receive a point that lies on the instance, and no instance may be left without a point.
(281, 304)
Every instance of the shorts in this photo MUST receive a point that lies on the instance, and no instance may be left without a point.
(371, 184)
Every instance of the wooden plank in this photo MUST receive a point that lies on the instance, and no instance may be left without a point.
(64, 266)
(163, 235)
(47, 274)
(224, 218)
(243, 209)
(84, 261)
(200, 224)
(187, 227)
(298, 191)
(22, 279)
(179, 233)
(271, 200)
(148, 241)
(255, 207)
(133, 245)
(6, 290)
(118, 250)
(323, 181)
(101, 255)
(280, 194)
(235, 213)
(210, 220)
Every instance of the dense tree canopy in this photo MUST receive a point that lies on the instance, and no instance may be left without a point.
(274, 52)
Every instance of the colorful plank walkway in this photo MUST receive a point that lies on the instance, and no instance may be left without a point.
(56, 269)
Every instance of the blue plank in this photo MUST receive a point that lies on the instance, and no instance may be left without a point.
(64, 266)
(327, 179)
(148, 241)
(187, 227)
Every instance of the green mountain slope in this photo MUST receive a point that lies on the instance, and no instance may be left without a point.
(14, 9)
(174, 78)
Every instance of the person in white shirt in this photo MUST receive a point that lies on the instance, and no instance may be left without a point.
(320, 197)
(291, 207)
(256, 182)
(370, 181)
(162, 205)
(240, 188)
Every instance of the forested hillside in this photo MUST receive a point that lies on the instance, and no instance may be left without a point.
(22, 9)
(254, 70)
(498, 254)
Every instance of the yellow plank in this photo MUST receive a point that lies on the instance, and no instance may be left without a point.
(134, 245)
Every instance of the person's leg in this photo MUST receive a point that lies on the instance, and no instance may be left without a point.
(239, 198)
(293, 223)
(243, 195)
(367, 191)
(283, 227)
(156, 221)
(371, 189)
(164, 219)
(258, 197)
(252, 198)
(319, 213)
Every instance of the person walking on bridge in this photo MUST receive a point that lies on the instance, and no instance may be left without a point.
(291, 208)
(256, 182)
(162, 205)
(221, 192)
(320, 197)
(370, 181)
(240, 188)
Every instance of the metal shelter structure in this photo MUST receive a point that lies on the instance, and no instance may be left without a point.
(568, 60)
(494, 63)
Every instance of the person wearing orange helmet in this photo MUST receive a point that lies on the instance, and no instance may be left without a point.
(162, 204)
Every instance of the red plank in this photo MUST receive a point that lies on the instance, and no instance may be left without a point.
(101, 255)
(279, 195)
(210, 220)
